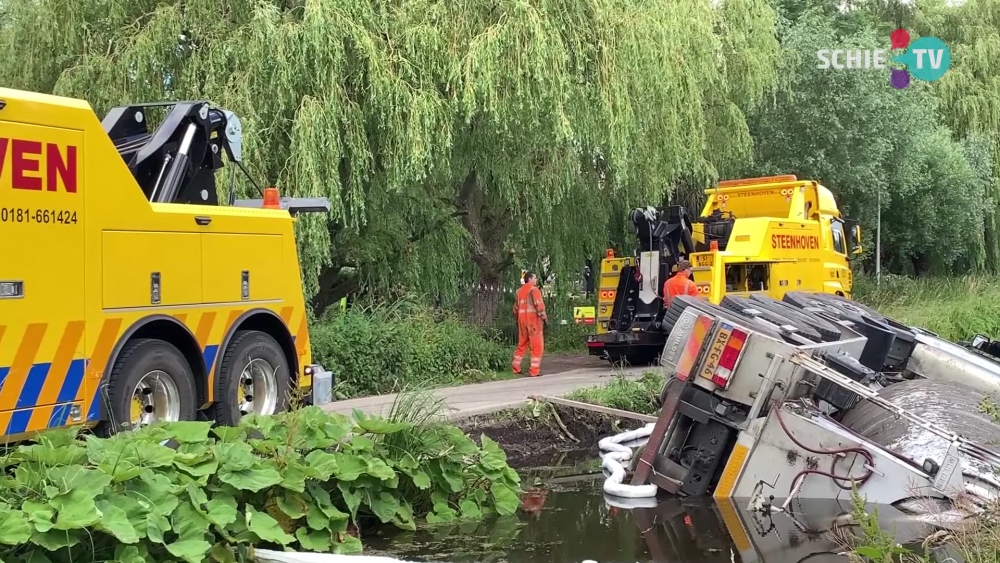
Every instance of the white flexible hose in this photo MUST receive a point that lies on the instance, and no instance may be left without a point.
(613, 453)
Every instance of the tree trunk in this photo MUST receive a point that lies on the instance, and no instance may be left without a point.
(333, 285)
(487, 298)
(489, 224)
(921, 265)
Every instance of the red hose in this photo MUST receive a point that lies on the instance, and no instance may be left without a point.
(836, 478)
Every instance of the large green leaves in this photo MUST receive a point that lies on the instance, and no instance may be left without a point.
(300, 480)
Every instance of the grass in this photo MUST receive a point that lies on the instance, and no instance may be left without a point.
(980, 544)
(633, 395)
(989, 407)
(954, 308)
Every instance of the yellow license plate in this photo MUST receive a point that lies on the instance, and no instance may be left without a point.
(704, 260)
(715, 351)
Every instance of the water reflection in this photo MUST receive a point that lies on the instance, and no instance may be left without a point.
(571, 522)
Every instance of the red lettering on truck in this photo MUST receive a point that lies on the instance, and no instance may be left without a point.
(795, 242)
(26, 161)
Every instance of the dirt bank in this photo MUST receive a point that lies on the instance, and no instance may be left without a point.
(532, 437)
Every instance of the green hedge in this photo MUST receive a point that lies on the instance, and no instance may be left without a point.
(303, 480)
(383, 349)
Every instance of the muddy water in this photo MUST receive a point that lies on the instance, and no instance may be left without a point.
(566, 519)
(571, 522)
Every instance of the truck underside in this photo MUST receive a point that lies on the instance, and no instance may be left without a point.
(774, 414)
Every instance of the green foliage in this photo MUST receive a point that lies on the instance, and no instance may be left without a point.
(873, 145)
(989, 407)
(302, 480)
(568, 338)
(970, 90)
(634, 395)
(875, 544)
(441, 131)
(954, 308)
(380, 349)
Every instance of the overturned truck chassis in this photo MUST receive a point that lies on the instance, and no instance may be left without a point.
(749, 415)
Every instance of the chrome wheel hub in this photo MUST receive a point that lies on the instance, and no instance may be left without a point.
(155, 399)
(258, 388)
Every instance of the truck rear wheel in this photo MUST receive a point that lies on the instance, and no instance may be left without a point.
(253, 378)
(150, 382)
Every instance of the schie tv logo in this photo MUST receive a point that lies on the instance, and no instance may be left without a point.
(927, 59)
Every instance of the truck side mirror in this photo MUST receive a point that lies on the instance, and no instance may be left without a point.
(853, 236)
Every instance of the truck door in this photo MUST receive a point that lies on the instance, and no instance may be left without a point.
(41, 272)
(838, 272)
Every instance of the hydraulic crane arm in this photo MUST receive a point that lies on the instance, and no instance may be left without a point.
(176, 162)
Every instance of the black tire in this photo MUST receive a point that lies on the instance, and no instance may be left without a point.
(827, 331)
(729, 315)
(246, 346)
(673, 314)
(744, 306)
(138, 358)
(842, 307)
(804, 300)
(851, 307)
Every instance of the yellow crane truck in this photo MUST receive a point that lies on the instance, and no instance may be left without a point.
(756, 240)
(128, 294)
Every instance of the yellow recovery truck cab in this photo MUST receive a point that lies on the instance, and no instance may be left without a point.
(785, 235)
(760, 237)
(128, 295)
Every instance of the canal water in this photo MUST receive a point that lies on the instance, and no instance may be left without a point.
(567, 519)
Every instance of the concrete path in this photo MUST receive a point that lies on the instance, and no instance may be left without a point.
(485, 398)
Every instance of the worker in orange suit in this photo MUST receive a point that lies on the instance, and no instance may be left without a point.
(679, 284)
(529, 310)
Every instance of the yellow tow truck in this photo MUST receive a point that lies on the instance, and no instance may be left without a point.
(128, 294)
(755, 237)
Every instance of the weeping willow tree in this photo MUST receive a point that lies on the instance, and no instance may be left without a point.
(970, 91)
(445, 132)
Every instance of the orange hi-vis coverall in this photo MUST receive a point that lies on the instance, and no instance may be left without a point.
(679, 284)
(530, 312)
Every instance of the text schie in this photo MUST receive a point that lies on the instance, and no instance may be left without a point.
(34, 165)
(852, 58)
(795, 242)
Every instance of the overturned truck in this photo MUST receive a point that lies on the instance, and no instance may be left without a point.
(814, 397)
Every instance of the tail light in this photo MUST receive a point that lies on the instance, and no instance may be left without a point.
(731, 353)
(701, 329)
